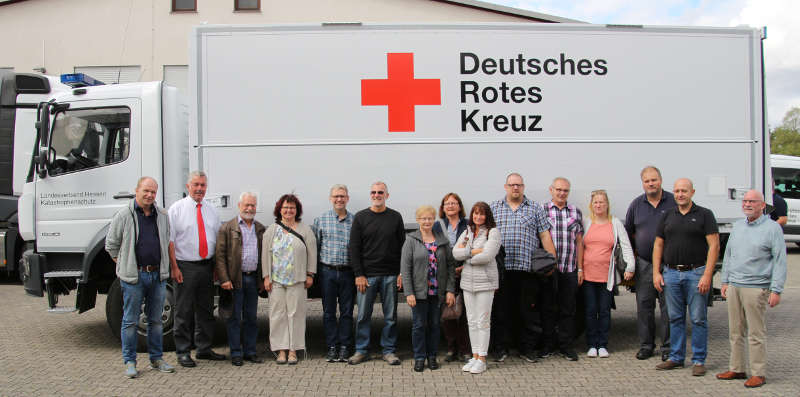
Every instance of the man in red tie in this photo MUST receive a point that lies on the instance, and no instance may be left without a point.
(193, 237)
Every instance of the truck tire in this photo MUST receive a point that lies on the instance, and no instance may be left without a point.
(114, 317)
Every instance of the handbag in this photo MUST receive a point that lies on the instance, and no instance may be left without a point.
(454, 312)
(620, 265)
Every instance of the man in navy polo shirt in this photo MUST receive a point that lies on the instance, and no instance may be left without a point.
(687, 242)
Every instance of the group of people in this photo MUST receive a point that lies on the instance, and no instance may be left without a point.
(477, 266)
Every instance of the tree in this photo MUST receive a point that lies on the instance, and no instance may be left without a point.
(785, 139)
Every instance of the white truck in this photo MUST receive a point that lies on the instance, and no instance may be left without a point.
(427, 108)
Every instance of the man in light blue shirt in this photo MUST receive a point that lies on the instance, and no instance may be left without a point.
(753, 273)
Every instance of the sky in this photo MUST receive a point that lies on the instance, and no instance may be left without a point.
(781, 48)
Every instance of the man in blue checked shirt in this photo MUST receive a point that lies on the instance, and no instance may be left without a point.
(332, 230)
(522, 224)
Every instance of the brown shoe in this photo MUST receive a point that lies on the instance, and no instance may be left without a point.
(755, 381)
(729, 375)
(669, 364)
(698, 370)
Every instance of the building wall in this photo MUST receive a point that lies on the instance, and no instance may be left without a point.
(61, 35)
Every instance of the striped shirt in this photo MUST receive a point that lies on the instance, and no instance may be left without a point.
(566, 224)
(333, 238)
(520, 230)
(249, 246)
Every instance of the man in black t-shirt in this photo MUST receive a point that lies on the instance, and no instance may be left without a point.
(781, 212)
(376, 240)
(687, 242)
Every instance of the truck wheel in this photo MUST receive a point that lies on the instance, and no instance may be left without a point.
(114, 317)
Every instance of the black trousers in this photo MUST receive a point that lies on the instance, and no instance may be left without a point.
(557, 297)
(513, 312)
(194, 305)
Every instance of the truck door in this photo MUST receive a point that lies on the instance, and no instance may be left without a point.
(93, 164)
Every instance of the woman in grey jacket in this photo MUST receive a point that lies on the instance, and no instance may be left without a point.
(478, 247)
(428, 270)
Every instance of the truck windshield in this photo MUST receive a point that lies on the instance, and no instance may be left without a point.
(89, 138)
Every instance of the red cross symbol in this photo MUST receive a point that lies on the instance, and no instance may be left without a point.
(400, 92)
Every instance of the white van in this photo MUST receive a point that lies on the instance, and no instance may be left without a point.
(786, 175)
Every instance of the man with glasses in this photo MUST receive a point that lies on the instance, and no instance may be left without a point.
(523, 224)
(332, 230)
(753, 274)
(376, 240)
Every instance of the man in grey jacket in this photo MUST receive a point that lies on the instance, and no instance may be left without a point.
(138, 241)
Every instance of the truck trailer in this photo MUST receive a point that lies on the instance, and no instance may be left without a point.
(429, 109)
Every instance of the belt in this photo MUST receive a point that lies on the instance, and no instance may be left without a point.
(253, 273)
(337, 268)
(149, 268)
(200, 262)
(685, 268)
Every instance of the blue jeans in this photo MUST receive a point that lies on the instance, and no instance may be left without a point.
(242, 326)
(337, 286)
(150, 290)
(387, 286)
(597, 300)
(425, 317)
(680, 290)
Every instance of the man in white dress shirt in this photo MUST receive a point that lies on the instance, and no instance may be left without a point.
(193, 237)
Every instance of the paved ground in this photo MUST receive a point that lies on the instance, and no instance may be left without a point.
(71, 354)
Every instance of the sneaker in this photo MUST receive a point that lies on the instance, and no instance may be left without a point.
(602, 352)
(544, 353)
(501, 356)
(357, 358)
(332, 355)
(130, 369)
(569, 354)
(529, 357)
(469, 364)
(592, 352)
(344, 353)
(162, 366)
(478, 368)
(391, 359)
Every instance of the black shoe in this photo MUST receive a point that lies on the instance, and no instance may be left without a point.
(569, 354)
(644, 354)
(432, 364)
(255, 359)
(210, 355)
(529, 357)
(419, 365)
(332, 355)
(500, 356)
(544, 353)
(185, 360)
(450, 357)
(344, 354)
(664, 354)
(237, 361)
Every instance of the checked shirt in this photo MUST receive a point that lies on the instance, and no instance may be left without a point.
(520, 230)
(333, 237)
(566, 224)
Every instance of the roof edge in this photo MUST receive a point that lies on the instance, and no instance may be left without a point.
(505, 10)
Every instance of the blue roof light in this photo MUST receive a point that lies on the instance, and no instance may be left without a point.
(79, 80)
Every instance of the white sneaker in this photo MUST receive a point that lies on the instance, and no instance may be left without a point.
(602, 352)
(479, 367)
(468, 366)
(592, 352)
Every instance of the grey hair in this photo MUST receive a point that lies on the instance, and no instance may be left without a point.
(385, 186)
(560, 178)
(339, 186)
(648, 168)
(196, 173)
(246, 194)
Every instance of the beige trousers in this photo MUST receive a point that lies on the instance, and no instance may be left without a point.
(287, 317)
(746, 317)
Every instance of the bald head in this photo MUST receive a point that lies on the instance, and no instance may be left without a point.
(683, 191)
(753, 205)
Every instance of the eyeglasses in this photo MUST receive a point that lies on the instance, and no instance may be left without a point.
(449, 204)
(377, 192)
(338, 196)
(515, 185)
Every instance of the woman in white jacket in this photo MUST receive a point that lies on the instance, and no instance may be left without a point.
(597, 273)
(477, 247)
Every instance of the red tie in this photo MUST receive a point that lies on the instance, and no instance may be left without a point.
(201, 230)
